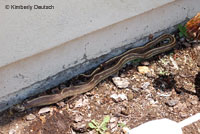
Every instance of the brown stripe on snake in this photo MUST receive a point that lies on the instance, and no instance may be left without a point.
(99, 76)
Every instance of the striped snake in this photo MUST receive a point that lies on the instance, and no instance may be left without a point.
(143, 52)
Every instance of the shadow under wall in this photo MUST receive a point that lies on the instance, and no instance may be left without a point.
(197, 84)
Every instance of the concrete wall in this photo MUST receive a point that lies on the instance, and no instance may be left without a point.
(41, 48)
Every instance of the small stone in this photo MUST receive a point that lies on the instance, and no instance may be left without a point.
(145, 63)
(182, 39)
(61, 104)
(30, 117)
(143, 69)
(125, 111)
(186, 44)
(135, 89)
(113, 125)
(80, 127)
(152, 101)
(145, 85)
(113, 119)
(181, 106)
(171, 103)
(81, 102)
(78, 118)
(45, 110)
(118, 98)
(120, 82)
(12, 131)
(130, 96)
(198, 47)
(183, 114)
(194, 102)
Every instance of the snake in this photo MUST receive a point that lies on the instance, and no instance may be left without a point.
(144, 52)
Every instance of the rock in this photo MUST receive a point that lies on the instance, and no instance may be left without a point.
(120, 82)
(118, 98)
(143, 69)
(61, 104)
(145, 85)
(78, 118)
(182, 39)
(174, 63)
(145, 63)
(198, 47)
(186, 44)
(12, 131)
(194, 102)
(183, 114)
(45, 110)
(181, 106)
(80, 127)
(130, 96)
(125, 111)
(30, 117)
(113, 119)
(135, 89)
(171, 103)
(152, 101)
(81, 102)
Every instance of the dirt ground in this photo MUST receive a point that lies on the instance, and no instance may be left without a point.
(167, 87)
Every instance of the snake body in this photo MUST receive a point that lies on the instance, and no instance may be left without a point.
(96, 77)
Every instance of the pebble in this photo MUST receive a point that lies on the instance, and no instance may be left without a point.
(145, 85)
(78, 118)
(121, 82)
(194, 102)
(186, 44)
(171, 103)
(183, 114)
(125, 111)
(79, 127)
(12, 131)
(181, 106)
(145, 63)
(45, 110)
(130, 96)
(135, 89)
(118, 98)
(30, 117)
(143, 69)
(182, 39)
(81, 102)
(113, 119)
(61, 104)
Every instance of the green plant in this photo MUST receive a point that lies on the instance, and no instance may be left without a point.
(182, 31)
(121, 125)
(100, 127)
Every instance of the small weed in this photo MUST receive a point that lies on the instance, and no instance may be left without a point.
(100, 127)
(121, 125)
(182, 31)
